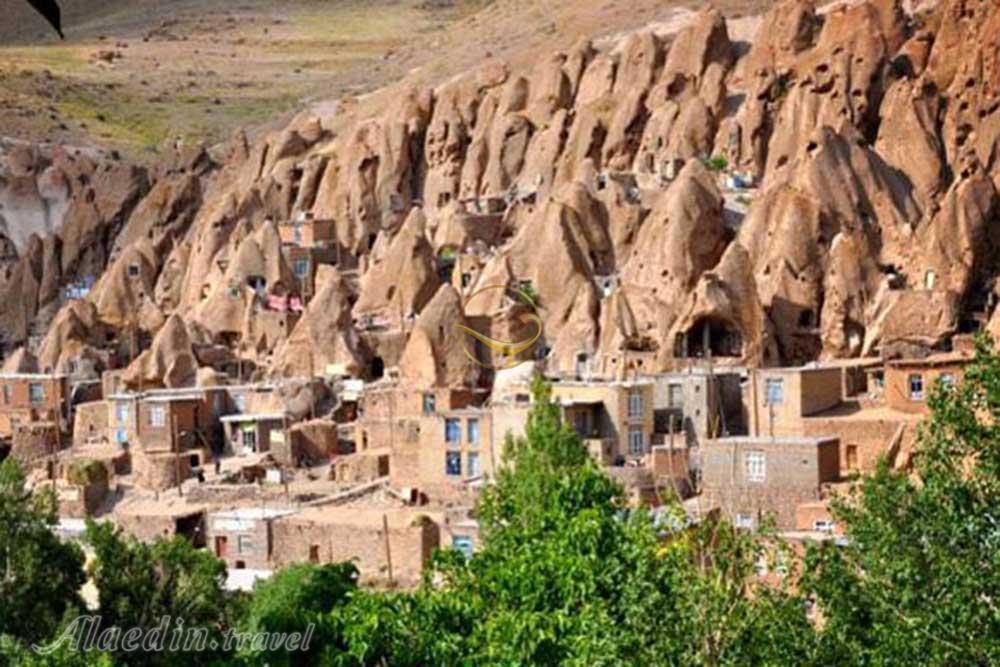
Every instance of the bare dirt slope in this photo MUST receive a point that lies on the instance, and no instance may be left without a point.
(133, 74)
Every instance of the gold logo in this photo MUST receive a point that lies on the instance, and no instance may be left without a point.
(508, 350)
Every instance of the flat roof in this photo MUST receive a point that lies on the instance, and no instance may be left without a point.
(253, 513)
(571, 403)
(244, 580)
(33, 376)
(186, 392)
(940, 359)
(253, 417)
(769, 440)
(785, 370)
(352, 515)
(598, 382)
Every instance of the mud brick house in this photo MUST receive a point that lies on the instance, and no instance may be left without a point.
(615, 419)
(698, 404)
(243, 537)
(444, 449)
(751, 478)
(388, 410)
(253, 433)
(305, 231)
(910, 382)
(445, 453)
(779, 398)
(159, 420)
(383, 543)
(27, 398)
(147, 520)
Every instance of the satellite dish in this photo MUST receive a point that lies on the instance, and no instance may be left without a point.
(50, 10)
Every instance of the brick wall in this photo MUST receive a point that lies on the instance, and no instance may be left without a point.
(90, 422)
(337, 534)
(794, 473)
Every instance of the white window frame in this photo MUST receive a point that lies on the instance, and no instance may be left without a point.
(470, 470)
(157, 416)
(36, 400)
(636, 442)
(743, 521)
(774, 391)
(675, 395)
(635, 404)
(755, 466)
(824, 526)
(244, 544)
(915, 395)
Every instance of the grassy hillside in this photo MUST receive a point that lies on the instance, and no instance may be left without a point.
(134, 73)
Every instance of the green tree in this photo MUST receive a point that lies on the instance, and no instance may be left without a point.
(295, 598)
(568, 576)
(40, 575)
(919, 581)
(140, 584)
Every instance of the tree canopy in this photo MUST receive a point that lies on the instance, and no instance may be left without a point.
(568, 574)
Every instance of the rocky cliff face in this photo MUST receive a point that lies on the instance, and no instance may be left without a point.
(599, 177)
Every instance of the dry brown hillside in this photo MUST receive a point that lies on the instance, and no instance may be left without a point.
(134, 73)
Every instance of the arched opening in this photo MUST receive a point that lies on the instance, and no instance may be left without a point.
(377, 368)
(711, 336)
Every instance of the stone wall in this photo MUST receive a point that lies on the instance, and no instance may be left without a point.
(336, 534)
(90, 422)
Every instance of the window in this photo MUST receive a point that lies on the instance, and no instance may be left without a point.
(756, 466)
(583, 427)
(121, 412)
(635, 404)
(6, 394)
(472, 465)
(916, 385)
(473, 431)
(120, 436)
(36, 391)
(240, 401)
(297, 234)
(244, 544)
(635, 444)
(133, 270)
(452, 431)
(430, 403)
(675, 396)
(453, 464)
(774, 391)
(462, 544)
(744, 521)
(852, 457)
(879, 378)
(824, 526)
(947, 380)
(157, 416)
(313, 553)
(301, 268)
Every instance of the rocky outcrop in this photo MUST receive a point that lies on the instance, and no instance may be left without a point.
(599, 180)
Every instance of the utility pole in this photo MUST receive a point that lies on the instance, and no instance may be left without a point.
(177, 449)
(388, 549)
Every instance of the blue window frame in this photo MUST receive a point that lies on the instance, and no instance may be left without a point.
(452, 431)
(453, 464)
